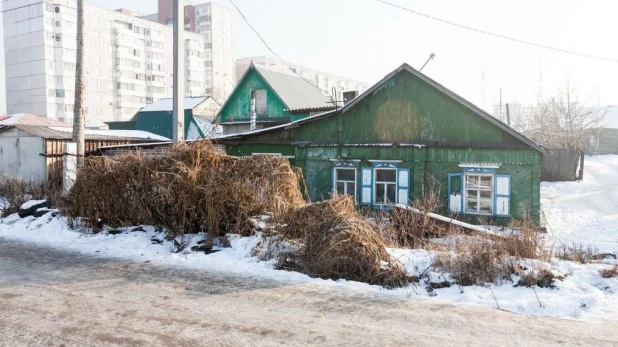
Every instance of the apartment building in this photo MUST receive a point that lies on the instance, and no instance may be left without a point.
(324, 80)
(128, 60)
(216, 25)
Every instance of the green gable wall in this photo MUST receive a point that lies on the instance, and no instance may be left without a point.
(156, 122)
(238, 106)
(406, 109)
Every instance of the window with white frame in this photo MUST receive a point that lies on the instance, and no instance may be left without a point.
(385, 186)
(345, 181)
(479, 193)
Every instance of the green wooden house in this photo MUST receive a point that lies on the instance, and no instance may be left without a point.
(405, 135)
(199, 118)
(272, 98)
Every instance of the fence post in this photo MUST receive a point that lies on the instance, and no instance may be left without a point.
(69, 166)
(581, 166)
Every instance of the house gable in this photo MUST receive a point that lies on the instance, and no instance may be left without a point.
(237, 107)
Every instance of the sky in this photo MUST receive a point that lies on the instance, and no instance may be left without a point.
(366, 39)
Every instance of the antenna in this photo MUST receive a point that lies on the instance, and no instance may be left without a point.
(431, 56)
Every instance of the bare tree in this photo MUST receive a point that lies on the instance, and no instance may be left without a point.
(563, 121)
(78, 108)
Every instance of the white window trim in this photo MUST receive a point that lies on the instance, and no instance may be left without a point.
(465, 194)
(335, 180)
(481, 165)
(376, 182)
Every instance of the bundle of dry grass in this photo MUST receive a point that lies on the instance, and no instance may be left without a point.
(340, 243)
(194, 187)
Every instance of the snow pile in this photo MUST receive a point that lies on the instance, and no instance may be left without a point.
(29, 204)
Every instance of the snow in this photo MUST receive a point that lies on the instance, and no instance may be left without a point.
(138, 134)
(581, 212)
(585, 212)
(31, 203)
(449, 220)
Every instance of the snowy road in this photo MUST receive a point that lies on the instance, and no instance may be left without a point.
(52, 297)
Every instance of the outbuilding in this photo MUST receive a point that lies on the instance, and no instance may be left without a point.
(403, 137)
(32, 146)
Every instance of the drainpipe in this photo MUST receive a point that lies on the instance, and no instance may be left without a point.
(253, 112)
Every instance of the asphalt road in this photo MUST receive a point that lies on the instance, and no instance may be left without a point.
(55, 298)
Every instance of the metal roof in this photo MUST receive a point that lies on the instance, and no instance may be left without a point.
(294, 92)
(65, 133)
(31, 119)
(167, 104)
(371, 90)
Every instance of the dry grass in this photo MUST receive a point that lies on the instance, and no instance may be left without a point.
(17, 191)
(609, 273)
(577, 253)
(340, 243)
(193, 188)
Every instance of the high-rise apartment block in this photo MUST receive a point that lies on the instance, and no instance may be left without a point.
(323, 80)
(216, 25)
(128, 60)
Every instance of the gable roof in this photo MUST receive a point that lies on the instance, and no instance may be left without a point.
(30, 119)
(610, 117)
(167, 104)
(376, 86)
(294, 92)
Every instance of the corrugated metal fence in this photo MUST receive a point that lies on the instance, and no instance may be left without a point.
(562, 165)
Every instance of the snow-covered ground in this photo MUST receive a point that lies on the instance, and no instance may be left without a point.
(587, 211)
(580, 212)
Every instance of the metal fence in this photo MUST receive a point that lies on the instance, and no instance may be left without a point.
(564, 164)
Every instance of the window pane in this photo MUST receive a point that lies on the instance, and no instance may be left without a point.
(340, 186)
(486, 182)
(380, 194)
(345, 174)
(390, 193)
(471, 201)
(472, 181)
(485, 202)
(386, 175)
(351, 188)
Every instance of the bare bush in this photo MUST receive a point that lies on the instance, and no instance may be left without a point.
(16, 191)
(339, 243)
(576, 252)
(609, 273)
(192, 188)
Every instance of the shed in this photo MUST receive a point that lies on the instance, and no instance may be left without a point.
(31, 146)
(157, 118)
(605, 139)
(403, 137)
(278, 98)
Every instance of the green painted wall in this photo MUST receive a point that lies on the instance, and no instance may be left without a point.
(158, 122)
(238, 106)
(407, 110)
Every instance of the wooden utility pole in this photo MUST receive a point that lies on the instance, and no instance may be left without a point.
(178, 128)
(78, 106)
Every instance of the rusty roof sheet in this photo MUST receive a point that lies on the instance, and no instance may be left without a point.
(96, 135)
(31, 119)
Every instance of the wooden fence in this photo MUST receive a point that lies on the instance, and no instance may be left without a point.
(562, 165)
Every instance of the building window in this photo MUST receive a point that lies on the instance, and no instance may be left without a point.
(479, 193)
(345, 181)
(258, 97)
(385, 186)
(57, 9)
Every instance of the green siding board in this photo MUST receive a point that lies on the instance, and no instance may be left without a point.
(407, 110)
(161, 122)
(238, 106)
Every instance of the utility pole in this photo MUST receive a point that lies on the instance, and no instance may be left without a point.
(78, 105)
(178, 128)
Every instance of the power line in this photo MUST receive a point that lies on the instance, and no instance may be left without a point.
(271, 50)
(538, 45)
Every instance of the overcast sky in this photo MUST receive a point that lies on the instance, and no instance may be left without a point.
(365, 40)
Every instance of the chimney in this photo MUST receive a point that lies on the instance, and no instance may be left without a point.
(349, 96)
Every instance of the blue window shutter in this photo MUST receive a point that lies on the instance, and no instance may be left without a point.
(455, 193)
(403, 186)
(366, 181)
(502, 195)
